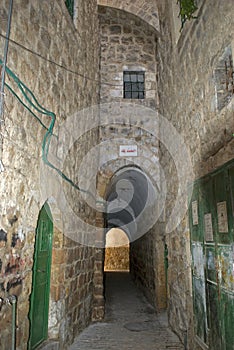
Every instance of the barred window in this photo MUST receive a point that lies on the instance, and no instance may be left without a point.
(134, 85)
(224, 78)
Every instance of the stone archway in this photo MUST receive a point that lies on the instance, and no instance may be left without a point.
(147, 250)
(146, 10)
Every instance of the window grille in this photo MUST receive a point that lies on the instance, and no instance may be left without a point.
(134, 85)
(224, 78)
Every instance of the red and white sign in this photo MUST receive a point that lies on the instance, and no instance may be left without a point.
(128, 150)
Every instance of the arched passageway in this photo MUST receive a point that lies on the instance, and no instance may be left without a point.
(133, 206)
(131, 198)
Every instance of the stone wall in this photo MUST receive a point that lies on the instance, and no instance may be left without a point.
(188, 99)
(148, 11)
(148, 266)
(127, 43)
(52, 57)
(117, 258)
(142, 264)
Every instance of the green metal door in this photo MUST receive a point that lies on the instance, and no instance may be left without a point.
(39, 301)
(198, 273)
(224, 240)
(212, 244)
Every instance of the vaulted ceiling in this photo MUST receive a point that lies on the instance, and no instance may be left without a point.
(145, 9)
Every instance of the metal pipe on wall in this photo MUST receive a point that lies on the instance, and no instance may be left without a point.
(11, 300)
(5, 59)
(3, 71)
(13, 323)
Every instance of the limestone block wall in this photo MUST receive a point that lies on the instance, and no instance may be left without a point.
(142, 264)
(127, 43)
(188, 94)
(146, 10)
(52, 56)
(148, 266)
(117, 258)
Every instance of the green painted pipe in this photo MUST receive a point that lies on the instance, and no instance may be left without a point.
(5, 58)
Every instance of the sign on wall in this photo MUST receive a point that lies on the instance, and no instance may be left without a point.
(195, 212)
(208, 227)
(128, 150)
(222, 217)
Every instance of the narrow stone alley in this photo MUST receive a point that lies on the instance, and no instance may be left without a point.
(117, 154)
(130, 321)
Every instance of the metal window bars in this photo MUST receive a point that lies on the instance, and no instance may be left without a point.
(229, 73)
(134, 84)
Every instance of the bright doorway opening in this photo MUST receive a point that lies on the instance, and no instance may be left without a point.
(117, 251)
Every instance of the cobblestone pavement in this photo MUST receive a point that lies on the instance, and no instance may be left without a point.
(130, 322)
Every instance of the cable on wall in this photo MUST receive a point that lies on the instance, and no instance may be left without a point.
(3, 72)
(33, 102)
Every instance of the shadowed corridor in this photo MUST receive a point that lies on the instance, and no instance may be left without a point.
(130, 321)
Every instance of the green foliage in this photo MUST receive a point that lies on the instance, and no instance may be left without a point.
(187, 9)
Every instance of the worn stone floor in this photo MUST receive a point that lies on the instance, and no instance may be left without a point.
(130, 321)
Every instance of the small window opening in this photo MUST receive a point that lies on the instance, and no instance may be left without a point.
(134, 85)
(224, 79)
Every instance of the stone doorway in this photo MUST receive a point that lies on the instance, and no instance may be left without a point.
(116, 251)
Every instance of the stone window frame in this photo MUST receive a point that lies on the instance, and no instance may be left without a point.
(133, 68)
(136, 89)
(224, 78)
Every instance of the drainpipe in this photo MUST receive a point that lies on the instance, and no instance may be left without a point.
(11, 300)
(3, 76)
(13, 322)
(186, 340)
(5, 59)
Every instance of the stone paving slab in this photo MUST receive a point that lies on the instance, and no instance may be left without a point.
(130, 322)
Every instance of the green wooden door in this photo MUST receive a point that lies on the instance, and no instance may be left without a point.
(39, 301)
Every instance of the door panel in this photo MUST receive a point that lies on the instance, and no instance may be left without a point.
(214, 318)
(222, 207)
(195, 229)
(214, 233)
(39, 303)
(198, 275)
(227, 313)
